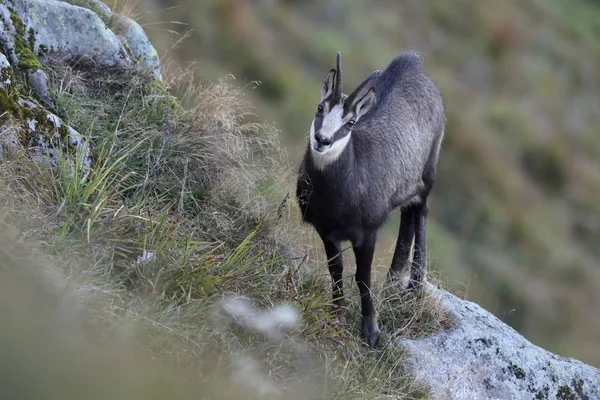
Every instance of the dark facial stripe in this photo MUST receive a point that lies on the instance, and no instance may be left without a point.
(318, 124)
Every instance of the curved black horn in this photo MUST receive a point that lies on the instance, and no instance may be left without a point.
(337, 94)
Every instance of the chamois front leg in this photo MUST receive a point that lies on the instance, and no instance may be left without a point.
(333, 249)
(364, 258)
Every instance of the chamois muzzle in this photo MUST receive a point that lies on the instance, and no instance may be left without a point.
(321, 142)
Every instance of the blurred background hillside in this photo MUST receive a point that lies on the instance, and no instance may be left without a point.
(515, 219)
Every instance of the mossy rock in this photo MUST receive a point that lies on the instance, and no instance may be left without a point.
(35, 128)
(23, 43)
(8, 91)
(136, 41)
(69, 33)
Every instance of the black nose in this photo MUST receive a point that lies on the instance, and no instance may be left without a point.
(322, 140)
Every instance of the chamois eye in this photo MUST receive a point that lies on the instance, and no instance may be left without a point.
(351, 123)
(320, 108)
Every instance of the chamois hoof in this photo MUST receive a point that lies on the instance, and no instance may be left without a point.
(370, 331)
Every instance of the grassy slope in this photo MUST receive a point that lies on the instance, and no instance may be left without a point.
(514, 212)
(129, 267)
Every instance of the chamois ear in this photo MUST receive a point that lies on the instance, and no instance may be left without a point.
(328, 84)
(365, 103)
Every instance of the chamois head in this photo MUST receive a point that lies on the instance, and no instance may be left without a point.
(336, 115)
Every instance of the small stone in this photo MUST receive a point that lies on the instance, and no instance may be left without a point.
(38, 80)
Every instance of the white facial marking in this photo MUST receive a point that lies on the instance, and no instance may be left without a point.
(332, 121)
(329, 154)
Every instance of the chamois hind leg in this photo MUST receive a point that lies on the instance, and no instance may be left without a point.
(333, 249)
(404, 244)
(364, 258)
(419, 265)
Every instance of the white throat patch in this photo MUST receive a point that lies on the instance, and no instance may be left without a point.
(329, 154)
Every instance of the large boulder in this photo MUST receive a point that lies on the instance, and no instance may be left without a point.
(130, 33)
(71, 33)
(85, 34)
(481, 357)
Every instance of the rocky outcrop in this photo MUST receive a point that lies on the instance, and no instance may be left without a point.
(70, 33)
(78, 31)
(82, 33)
(481, 357)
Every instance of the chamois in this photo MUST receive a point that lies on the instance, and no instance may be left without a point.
(368, 153)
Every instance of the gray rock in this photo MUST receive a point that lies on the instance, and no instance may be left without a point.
(483, 358)
(46, 142)
(96, 6)
(5, 78)
(76, 31)
(9, 142)
(38, 80)
(7, 34)
(35, 76)
(132, 34)
(4, 61)
(71, 33)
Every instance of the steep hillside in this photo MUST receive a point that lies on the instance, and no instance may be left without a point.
(144, 248)
(515, 219)
(148, 250)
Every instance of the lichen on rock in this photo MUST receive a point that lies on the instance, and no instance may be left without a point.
(481, 357)
(101, 9)
(4, 64)
(23, 50)
(70, 33)
(136, 41)
(46, 137)
(8, 91)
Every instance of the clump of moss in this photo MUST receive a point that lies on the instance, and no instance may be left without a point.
(23, 46)
(8, 103)
(158, 87)
(8, 94)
